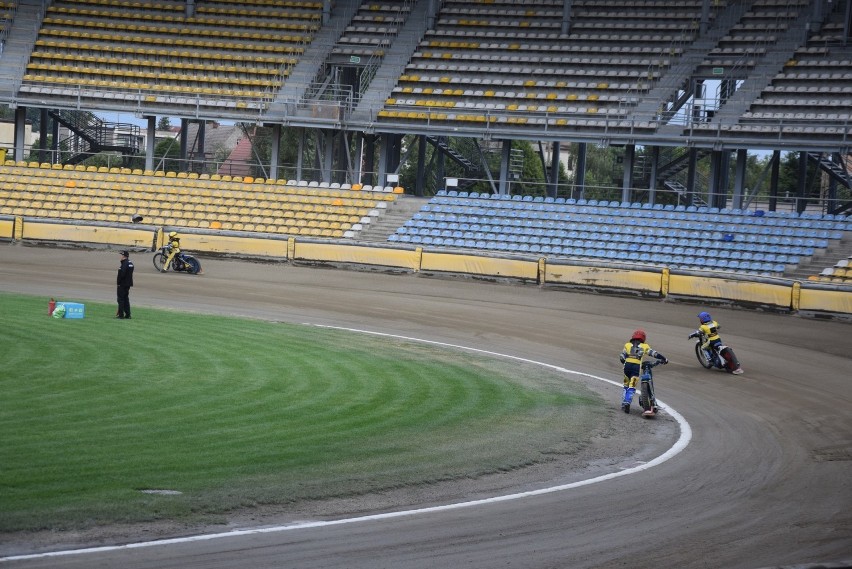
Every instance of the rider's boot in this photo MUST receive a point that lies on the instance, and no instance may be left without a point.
(628, 398)
(710, 355)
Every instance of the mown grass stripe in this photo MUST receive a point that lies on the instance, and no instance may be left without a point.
(233, 412)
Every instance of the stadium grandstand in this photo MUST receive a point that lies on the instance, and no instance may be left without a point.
(685, 90)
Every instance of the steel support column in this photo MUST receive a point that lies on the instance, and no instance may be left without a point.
(503, 187)
(627, 173)
(20, 132)
(274, 151)
(150, 142)
(580, 173)
(739, 178)
(553, 186)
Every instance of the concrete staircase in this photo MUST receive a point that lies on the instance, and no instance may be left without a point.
(683, 70)
(394, 217)
(19, 46)
(836, 251)
(393, 64)
(305, 71)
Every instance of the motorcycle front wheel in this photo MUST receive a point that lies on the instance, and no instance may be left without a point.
(645, 396)
(702, 357)
(159, 262)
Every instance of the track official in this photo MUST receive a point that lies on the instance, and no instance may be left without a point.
(124, 282)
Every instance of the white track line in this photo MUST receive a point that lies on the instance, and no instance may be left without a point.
(680, 444)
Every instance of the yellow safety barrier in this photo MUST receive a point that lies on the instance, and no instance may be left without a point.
(354, 254)
(131, 238)
(729, 289)
(823, 300)
(476, 265)
(227, 244)
(604, 277)
(7, 228)
(786, 295)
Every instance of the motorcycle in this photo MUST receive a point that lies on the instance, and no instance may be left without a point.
(722, 357)
(647, 400)
(181, 262)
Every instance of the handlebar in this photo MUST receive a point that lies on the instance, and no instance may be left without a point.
(649, 364)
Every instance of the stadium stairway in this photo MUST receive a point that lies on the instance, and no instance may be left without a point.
(303, 73)
(395, 216)
(762, 76)
(823, 259)
(393, 64)
(18, 46)
(689, 61)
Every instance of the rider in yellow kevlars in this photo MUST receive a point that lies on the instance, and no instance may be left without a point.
(631, 356)
(174, 249)
(708, 331)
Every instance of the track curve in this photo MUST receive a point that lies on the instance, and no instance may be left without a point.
(767, 479)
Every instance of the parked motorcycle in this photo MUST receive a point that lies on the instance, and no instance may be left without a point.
(722, 357)
(182, 262)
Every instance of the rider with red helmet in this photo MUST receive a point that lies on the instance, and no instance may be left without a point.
(631, 356)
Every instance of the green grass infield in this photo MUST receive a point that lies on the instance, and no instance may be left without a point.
(230, 413)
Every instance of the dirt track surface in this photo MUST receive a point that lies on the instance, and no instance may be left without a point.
(765, 481)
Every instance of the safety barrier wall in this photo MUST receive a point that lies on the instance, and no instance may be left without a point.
(103, 234)
(825, 300)
(593, 276)
(227, 244)
(753, 292)
(481, 266)
(7, 228)
(653, 281)
(356, 254)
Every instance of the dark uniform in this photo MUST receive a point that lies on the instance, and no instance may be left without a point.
(124, 282)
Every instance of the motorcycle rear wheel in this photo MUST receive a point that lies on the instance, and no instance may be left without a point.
(159, 262)
(193, 267)
(702, 357)
(730, 359)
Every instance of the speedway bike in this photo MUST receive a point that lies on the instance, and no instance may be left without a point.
(182, 262)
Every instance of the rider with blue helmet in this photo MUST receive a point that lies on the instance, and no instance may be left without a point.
(709, 332)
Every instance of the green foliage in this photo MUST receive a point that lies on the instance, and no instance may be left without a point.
(234, 412)
(167, 155)
(288, 153)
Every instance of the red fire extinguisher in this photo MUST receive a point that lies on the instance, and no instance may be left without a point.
(51, 306)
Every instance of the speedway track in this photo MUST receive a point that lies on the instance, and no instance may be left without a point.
(766, 480)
